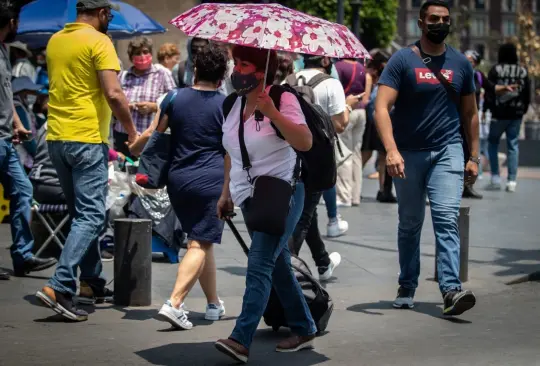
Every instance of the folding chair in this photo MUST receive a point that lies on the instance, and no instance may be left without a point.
(44, 213)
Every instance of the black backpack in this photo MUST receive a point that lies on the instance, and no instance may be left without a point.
(319, 170)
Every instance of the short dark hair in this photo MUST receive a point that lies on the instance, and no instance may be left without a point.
(258, 56)
(9, 10)
(508, 54)
(138, 43)
(211, 63)
(285, 68)
(427, 4)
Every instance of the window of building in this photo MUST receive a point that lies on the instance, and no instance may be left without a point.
(478, 27)
(480, 4)
(509, 28)
(412, 28)
(509, 5)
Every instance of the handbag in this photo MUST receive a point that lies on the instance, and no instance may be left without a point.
(271, 197)
(452, 94)
(155, 158)
(342, 152)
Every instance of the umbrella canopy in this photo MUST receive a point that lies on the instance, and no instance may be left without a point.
(270, 26)
(40, 19)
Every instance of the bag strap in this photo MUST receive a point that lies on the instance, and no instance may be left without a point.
(452, 94)
(165, 105)
(317, 79)
(353, 76)
(228, 103)
(246, 163)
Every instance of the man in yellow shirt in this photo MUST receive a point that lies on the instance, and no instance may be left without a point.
(84, 87)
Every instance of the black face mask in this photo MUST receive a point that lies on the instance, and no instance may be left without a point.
(244, 83)
(10, 37)
(438, 32)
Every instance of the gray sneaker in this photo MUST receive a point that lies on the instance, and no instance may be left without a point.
(404, 299)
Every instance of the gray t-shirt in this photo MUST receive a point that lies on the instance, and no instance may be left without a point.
(6, 95)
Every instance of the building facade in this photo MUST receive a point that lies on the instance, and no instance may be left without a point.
(479, 24)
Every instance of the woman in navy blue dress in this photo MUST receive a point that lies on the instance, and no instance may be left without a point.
(195, 181)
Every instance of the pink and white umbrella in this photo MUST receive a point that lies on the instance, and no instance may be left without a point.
(270, 26)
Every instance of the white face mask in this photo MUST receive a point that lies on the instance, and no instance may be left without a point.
(31, 99)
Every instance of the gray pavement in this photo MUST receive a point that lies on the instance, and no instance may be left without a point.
(501, 330)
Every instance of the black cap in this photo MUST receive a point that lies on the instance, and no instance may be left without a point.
(96, 4)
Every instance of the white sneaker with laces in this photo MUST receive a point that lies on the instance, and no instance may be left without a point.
(495, 184)
(335, 260)
(214, 312)
(511, 186)
(176, 317)
(336, 227)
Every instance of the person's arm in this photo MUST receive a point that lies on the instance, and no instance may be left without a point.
(469, 116)
(297, 135)
(225, 205)
(368, 89)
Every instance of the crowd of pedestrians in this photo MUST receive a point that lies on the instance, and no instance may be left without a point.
(418, 109)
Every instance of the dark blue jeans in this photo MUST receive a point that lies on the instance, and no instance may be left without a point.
(82, 171)
(18, 188)
(269, 264)
(439, 174)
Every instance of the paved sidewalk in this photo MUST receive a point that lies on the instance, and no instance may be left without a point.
(364, 330)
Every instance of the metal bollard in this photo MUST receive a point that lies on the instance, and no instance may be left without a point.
(132, 262)
(463, 228)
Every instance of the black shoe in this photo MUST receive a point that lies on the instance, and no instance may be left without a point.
(34, 264)
(106, 255)
(457, 302)
(62, 304)
(386, 197)
(469, 192)
(90, 294)
(4, 275)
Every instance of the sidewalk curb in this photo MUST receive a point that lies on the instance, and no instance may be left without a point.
(535, 276)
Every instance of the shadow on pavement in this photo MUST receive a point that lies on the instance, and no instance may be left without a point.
(517, 261)
(205, 354)
(235, 270)
(428, 308)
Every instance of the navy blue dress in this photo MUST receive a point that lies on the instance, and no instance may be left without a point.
(196, 172)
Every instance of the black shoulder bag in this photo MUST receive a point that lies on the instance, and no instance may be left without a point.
(271, 197)
(452, 94)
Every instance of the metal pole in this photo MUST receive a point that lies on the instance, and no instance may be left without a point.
(356, 4)
(133, 262)
(340, 11)
(463, 228)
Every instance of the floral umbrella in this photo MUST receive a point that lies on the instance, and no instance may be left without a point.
(270, 26)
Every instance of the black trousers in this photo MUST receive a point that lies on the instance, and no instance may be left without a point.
(308, 229)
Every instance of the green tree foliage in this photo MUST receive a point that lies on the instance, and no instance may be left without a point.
(378, 18)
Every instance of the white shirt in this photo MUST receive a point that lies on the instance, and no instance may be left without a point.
(269, 154)
(329, 94)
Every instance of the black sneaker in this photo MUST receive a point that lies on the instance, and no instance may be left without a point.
(456, 302)
(4, 275)
(404, 299)
(386, 197)
(470, 192)
(90, 294)
(106, 255)
(62, 304)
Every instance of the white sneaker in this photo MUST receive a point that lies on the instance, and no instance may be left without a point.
(337, 227)
(335, 260)
(511, 186)
(176, 317)
(344, 204)
(495, 184)
(214, 312)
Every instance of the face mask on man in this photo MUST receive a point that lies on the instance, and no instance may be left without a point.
(437, 32)
(244, 83)
(142, 62)
(10, 37)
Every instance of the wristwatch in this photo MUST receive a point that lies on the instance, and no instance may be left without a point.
(475, 159)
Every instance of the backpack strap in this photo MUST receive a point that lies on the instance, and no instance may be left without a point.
(317, 79)
(165, 105)
(228, 103)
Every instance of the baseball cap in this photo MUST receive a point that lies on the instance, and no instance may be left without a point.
(24, 83)
(96, 4)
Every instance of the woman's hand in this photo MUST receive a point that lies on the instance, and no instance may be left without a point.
(146, 107)
(266, 106)
(224, 207)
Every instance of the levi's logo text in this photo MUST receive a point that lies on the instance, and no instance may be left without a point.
(425, 76)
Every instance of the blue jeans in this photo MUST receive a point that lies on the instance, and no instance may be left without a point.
(439, 174)
(269, 264)
(330, 200)
(18, 188)
(496, 129)
(82, 171)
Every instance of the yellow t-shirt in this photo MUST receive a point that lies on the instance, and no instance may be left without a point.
(78, 110)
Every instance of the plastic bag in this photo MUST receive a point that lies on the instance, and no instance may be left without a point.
(118, 194)
(154, 201)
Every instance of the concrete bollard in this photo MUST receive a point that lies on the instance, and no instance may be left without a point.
(463, 228)
(132, 262)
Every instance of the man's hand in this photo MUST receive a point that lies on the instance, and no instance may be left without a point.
(395, 164)
(146, 107)
(20, 134)
(471, 172)
(503, 89)
(353, 100)
(224, 206)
